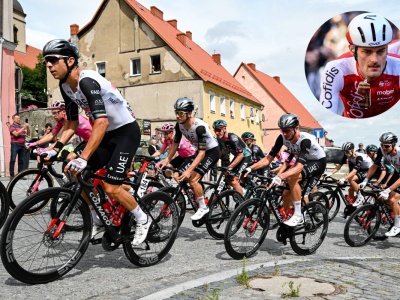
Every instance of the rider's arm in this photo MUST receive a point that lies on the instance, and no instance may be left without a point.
(305, 146)
(270, 157)
(238, 148)
(331, 84)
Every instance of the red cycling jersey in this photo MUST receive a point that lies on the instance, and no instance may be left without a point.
(340, 84)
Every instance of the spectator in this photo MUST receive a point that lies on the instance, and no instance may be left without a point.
(43, 132)
(153, 146)
(361, 148)
(18, 134)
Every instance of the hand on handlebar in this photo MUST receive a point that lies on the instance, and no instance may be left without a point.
(363, 184)
(77, 165)
(341, 181)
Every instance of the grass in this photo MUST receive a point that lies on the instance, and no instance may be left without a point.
(243, 277)
(294, 291)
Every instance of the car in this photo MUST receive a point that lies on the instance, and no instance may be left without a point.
(334, 156)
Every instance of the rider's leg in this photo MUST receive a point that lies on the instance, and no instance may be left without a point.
(394, 199)
(295, 191)
(198, 192)
(235, 183)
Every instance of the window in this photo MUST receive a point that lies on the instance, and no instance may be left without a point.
(135, 66)
(101, 68)
(212, 102)
(242, 113)
(257, 117)
(222, 105)
(155, 64)
(15, 31)
(252, 114)
(231, 108)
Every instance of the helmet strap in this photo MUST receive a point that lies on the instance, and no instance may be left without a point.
(69, 69)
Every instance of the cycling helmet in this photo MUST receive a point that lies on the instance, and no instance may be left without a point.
(247, 135)
(185, 104)
(371, 147)
(167, 127)
(219, 123)
(347, 146)
(388, 138)
(369, 30)
(59, 104)
(61, 47)
(288, 121)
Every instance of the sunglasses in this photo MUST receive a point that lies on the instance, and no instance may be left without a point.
(55, 112)
(386, 146)
(180, 113)
(286, 131)
(218, 129)
(52, 58)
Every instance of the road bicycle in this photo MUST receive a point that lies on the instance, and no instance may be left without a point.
(249, 224)
(38, 248)
(4, 204)
(368, 221)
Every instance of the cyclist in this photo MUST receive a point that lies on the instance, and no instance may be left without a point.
(241, 153)
(391, 195)
(385, 172)
(256, 153)
(115, 133)
(309, 166)
(198, 133)
(365, 80)
(186, 151)
(359, 164)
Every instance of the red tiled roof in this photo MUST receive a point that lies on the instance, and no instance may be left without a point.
(28, 59)
(283, 97)
(192, 54)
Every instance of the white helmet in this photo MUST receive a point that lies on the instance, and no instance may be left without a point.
(369, 30)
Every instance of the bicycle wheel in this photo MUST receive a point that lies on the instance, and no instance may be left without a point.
(4, 204)
(163, 211)
(29, 250)
(244, 233)
(179, 200)
(221, 209)
(26, 183)
(305, 239)
(362, 225)
(334, 204)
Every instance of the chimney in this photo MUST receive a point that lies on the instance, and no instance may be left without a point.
(155, 11)
(173, 23)
(277, 78)
(73, 29)
(189, 35)
(217, 58)
(252, 66)
(181, 37)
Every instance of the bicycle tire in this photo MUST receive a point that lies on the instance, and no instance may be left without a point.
(244, 233)
(362, 225)
(21, 186)
(4, 204)
(221, 209)
(320, 197)
(162, 209)
(334, 204)
(179, 200)
(308, 237)
(28, 251)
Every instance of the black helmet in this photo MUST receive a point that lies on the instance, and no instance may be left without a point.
(388, 138)
(347, 146)
(288, 121)
(247, 135)
(219, 123)
(371, 147)
(61, 47)
(185, 104)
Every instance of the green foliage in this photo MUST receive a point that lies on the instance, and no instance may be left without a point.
(294, 292)
(34, 82)
(243, 278)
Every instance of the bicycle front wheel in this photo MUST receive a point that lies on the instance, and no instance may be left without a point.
(163, 212)
(246, 229)
(26, 183)
(4, 204)
(362, 225)
(334, 204)
(37, 249)
(305, 239)
(221, 209)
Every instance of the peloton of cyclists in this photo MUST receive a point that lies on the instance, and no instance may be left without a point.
(310, 164)
(391, 195)
(199, 135)
(386, 170)
(359, 164)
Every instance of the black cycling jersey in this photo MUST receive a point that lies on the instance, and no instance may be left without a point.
(256, 153)
(234, 144)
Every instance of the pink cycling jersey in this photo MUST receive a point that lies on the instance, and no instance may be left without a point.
(340, 84)
(84, 129)
(185, 149)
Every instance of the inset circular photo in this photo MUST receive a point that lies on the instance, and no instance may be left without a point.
(352, 64)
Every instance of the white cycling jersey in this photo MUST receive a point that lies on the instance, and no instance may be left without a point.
(204, 141)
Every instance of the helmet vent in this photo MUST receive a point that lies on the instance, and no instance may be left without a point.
(362, 34)
(373, 32)
(384, 33)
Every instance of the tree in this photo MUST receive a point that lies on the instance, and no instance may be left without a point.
(34, 84)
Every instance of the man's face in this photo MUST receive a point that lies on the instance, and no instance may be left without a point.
(387, 148)
(181, 116)
(17, 120)
(56, 65)
(349, 153)
(58, 115)
(220, 132)
(248, 141)
(371, 61)
(288, 133)
(371, 154)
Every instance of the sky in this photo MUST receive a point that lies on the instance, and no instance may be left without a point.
(271, 34)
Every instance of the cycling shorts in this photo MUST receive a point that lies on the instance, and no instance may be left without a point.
(210, 159)
(182, 163)
(311, 173)
(116, 152)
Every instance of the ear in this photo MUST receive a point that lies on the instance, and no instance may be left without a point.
(71, 61)
(352, 49)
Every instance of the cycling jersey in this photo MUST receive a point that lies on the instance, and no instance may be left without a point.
(98, 98)
(84, 129)
(234, 145)
(185, 148)
(286, 157)
(340, 84)
(199, 135)
(394, 47)
(361, 162)
(305, 149)
(394, 160)
(256, 153)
